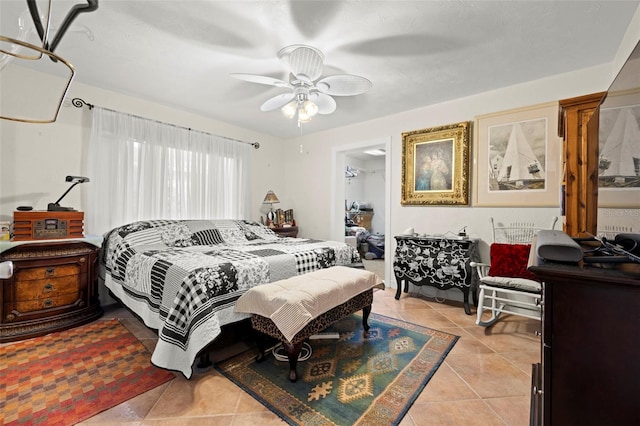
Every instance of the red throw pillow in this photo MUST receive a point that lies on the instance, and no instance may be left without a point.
(510, 260)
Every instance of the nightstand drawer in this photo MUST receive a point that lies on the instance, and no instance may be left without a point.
(26, 306)
(53, 271)
(47, 288)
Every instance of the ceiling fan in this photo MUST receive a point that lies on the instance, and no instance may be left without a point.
(308, 95)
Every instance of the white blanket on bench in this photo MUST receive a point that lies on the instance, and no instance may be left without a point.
(294, 302)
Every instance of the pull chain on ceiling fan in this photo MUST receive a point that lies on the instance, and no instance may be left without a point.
(308, 97)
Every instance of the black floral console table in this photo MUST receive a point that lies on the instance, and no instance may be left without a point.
(438, 262)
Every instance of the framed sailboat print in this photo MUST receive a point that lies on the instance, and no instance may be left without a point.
(619, 155)
(518, 156)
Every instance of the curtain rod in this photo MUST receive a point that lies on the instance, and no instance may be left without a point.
(79, 103)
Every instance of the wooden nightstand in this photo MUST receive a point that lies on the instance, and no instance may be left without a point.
(289, 231)
(54, 287)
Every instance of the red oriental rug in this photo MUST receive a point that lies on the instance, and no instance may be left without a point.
(66, 377)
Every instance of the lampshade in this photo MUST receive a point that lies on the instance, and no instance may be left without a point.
(301, 105)
(290, 109)
(270, 198)
(310, 108)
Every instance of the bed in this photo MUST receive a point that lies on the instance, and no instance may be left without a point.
(183, 277)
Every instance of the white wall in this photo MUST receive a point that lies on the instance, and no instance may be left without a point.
(307, 177)
(36, 158)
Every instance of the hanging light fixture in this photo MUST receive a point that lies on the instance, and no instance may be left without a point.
(301, 105)
(30, 105)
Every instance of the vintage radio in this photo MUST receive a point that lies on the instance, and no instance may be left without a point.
(47, 225)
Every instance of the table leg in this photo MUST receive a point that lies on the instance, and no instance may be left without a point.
(293, 351)
(466, 301)
(365, 318)
(399, 289)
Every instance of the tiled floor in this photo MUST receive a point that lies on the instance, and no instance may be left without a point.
(485, 380)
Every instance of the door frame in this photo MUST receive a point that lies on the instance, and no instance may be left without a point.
(338, 181)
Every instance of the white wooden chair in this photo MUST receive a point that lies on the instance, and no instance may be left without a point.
(506, 286)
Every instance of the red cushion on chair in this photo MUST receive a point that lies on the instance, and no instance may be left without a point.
(510, 260)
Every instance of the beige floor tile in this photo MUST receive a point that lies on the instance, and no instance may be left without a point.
(427, 318)
(467, 344)
(490, 375)
(254, 419)
(509, 336)
(455, 413)
(445, 385)
(132, 410)
(513, 410)
(248, 405)
(217, 420)
(203, 394)
(523, 360)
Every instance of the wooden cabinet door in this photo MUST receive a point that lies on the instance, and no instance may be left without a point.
(580, 180)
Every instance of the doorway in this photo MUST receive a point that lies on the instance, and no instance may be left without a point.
(355, 153)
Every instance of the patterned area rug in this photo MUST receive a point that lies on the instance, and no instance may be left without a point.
(67, 377)
(349, 381)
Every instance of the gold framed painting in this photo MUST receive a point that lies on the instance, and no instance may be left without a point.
(518, 157)
(435, 165)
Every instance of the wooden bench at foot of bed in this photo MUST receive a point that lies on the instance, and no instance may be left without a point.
(291, 310)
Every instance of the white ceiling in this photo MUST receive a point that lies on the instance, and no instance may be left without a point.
(416, 53)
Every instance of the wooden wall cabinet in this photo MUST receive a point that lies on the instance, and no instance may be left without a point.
(54, 287)
(580, 155)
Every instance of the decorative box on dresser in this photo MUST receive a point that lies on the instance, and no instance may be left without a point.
(590, 369)
(54, 286)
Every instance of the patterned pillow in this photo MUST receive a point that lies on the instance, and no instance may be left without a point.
(510, 260)
(176, 235)
(207, 237)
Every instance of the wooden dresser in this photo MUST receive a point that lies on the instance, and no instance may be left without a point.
(590, 369)
(438, 262)
(286, 231)
(54, 287)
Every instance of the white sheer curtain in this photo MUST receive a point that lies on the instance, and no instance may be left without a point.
(141, 169)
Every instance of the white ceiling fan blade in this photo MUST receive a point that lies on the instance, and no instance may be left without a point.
(344, 85)
(303, 61)
(261, 79)
(277, 101)
(326, 104)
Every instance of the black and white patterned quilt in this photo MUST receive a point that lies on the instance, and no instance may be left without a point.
(183, 277)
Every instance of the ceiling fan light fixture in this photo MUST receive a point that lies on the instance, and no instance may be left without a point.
(307, 95)
(309, 108)
(303, 116)
(289, 110)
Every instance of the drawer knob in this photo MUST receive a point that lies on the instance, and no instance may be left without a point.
(49, 272)
(48, 303)
(48, 287)
(82, 259)
(537, 333)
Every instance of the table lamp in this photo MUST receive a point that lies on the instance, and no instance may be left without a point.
(270, 199)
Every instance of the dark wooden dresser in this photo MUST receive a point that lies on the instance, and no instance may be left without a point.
(590, 369)
(286, 231)
(54, 287)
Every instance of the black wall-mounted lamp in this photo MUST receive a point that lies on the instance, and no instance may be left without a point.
(55, 207)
